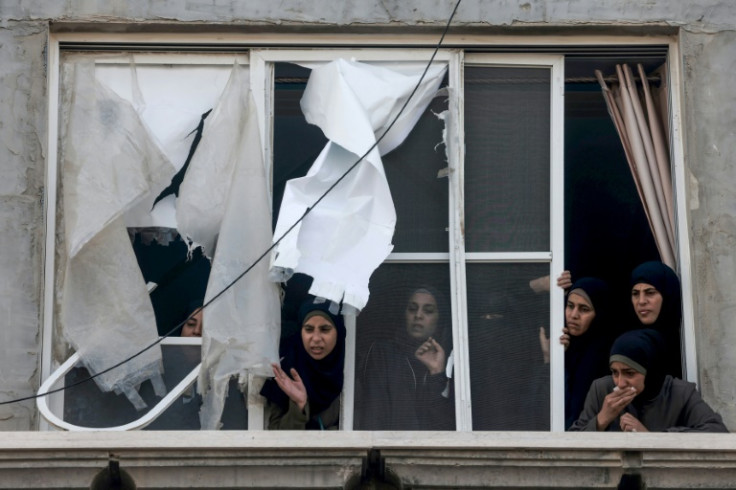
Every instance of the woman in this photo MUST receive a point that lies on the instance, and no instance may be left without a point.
(638, 397)
(305, 390)
(193, 325)
(657, 303)
(587, 337)
(404, 380)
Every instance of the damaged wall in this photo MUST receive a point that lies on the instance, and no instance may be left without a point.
(22, 168)
(709, 66)
(707, 33)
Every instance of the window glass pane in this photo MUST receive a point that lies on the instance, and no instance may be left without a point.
(85, 405)
(507, 127)
(296, 143)
(420, 197)
(508, 374)
(394, 389)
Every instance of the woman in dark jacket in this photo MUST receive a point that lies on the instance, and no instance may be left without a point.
(639, 397)
(404, 381)
(305, 390)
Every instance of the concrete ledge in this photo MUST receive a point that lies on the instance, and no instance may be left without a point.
(337, 459)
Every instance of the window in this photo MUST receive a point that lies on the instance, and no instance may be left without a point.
(482, 188)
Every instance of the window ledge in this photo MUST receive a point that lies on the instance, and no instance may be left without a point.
(337, 459)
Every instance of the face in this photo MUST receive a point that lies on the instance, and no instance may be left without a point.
(624, 376)
(647, 302)
(422, 316)
(319, 337)
(579, 314)
(193, 326)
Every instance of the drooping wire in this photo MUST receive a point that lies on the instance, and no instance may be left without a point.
(273, 245)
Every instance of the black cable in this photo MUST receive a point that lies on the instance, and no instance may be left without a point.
(274, 244)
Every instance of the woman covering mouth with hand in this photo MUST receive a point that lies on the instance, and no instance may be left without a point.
(305, 390)
(638, 397)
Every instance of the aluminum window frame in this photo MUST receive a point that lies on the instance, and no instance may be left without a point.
(328, 45)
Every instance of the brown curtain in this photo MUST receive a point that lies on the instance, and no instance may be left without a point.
(640, 120)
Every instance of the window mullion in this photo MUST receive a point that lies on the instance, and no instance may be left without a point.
(455, 152)
(557, 242)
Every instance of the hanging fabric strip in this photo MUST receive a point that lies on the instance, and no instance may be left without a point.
(348, 235)
(224, 205)
(110, 163)
(637, 121)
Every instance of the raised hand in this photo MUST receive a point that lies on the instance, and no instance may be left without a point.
(544, 344)
(565, 280)
(613, 404)
(432, 355)
(292, 386)
(565, 338)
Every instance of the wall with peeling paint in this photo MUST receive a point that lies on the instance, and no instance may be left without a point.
(707, 33)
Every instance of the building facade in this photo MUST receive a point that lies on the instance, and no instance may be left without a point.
(566, 42)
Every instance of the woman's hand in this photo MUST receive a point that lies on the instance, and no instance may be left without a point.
(565, 338)
(629, 423)
(565, 280)
(294, 388)
(432, 355)
(544, 344)
(613, 404)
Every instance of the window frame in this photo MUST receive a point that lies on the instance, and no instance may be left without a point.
(326, 46)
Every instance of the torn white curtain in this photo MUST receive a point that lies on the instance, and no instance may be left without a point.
(348, 234)
(639, 126)
(224, 204)
(110, 163)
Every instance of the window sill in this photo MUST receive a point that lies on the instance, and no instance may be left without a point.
(336, 459)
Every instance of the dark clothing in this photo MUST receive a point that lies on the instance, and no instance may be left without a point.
(665, 280)
(294, 419)
(322, 378)
(398, 393)
(677, 408)
(586, 358)
(584, 363)
(181, 280)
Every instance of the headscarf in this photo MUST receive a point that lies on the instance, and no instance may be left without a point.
(442, 334)
(642, 350)
(665, 280)
(586, 356)
(323, 378)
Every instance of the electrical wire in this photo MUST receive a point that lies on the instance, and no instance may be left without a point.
(273, 245)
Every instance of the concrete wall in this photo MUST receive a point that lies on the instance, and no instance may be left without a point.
(709, 64)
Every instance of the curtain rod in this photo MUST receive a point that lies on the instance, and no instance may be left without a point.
(609, 79)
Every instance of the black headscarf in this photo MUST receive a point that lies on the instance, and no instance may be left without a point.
(442, 335)
(322, 378)
(586, 358)
(642, 350)
(665, 280)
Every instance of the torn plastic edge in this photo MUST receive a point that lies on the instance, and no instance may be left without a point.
(148, 418)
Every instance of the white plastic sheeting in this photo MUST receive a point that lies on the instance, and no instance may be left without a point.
(109, 165)
(224, 204)
(348, 234)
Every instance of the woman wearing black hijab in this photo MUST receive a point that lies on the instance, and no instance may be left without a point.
(657, 303)
(587, 338)
(404, 385)
(305, 390)
(638, 397)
